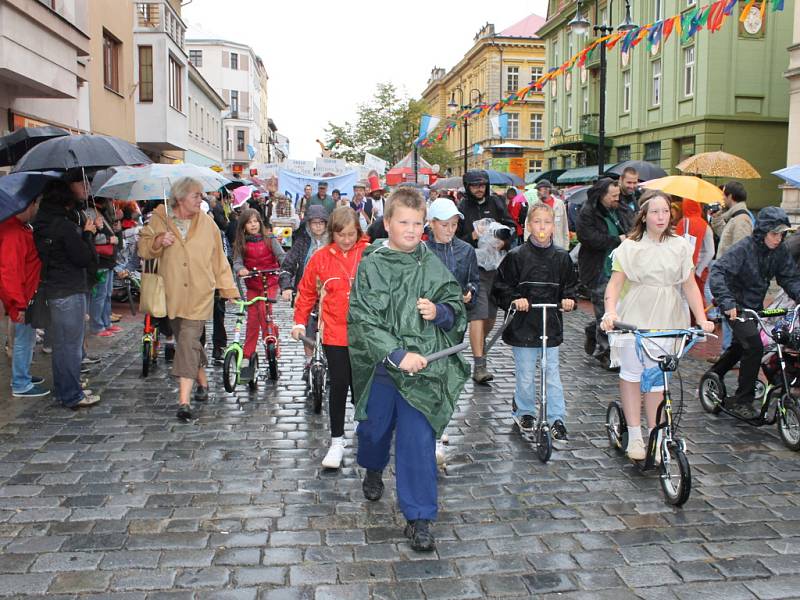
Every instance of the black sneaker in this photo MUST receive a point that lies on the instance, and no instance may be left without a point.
(169, 352)
(201, 394)
(559, 433)
(525, 423)
(372, 485)
(589, 339)
(305, 372)
(184, 413)
(218, 356)
(90, 360)
(419, 532)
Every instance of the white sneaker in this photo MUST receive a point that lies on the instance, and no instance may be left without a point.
(445, 438)
(441, 453)
(635, 450)
(333, 459)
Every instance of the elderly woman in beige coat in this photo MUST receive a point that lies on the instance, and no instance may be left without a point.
(192, 262)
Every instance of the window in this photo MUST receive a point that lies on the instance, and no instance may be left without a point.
(626, 91)
(512, 79)
(196, 58)
(656, 92)
(688, 71)
(569, 111)
(234, 103)
(658, 12)
(175, 84)
(234, 61)
(202, 124)
(240, 140)
(652, 152)
(536, 127)
(145, 73)
(552, 163)
(554, 112)
(111, 51)
(568, 162)
(691, 2)
(513, 125)
(534, 166)
(555, 53)
(585, 96)
(536, 73)
(623, 153)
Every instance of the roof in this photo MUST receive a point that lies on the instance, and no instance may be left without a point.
(525, 28)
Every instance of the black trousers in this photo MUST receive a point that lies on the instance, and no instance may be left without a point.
(746, 349)
(341, 380)
(220, 336)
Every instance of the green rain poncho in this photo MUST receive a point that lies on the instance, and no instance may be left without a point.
(383, 317)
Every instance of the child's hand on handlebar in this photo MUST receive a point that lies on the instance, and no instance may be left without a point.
(732, 314)
(297, 331)
(521, 304)
(243, 272)
(568, 304)
(707, 326)
(413, 363)
(607, 324)
(287, 295)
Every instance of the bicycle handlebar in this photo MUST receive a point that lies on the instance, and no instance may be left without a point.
(265, 273)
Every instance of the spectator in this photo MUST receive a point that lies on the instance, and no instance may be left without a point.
(628, 189)
(362, 205)
(322, 198)
(105, 243)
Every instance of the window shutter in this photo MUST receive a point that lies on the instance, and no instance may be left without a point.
(226, 59)
(243, 61)
(245, 102)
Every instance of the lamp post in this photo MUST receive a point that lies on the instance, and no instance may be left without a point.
(453, 106)
(579, 25)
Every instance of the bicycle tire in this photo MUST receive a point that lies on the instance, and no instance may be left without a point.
(676, 496)
(711, 385)
(616, 427)
(252, 385)
(272, 361)
(146, 350)
(544, 444)
(789, 424)
(229, 374)
(317, 388)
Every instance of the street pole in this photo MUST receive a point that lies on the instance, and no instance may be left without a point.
(601, 133)
(416, 164)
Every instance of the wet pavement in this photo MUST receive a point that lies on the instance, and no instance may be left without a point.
(123, 501)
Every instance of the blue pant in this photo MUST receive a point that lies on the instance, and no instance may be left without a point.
(66, 337)
(100, 303)
(727, 335)
(525, 360)
(24, 341)
(415, 448)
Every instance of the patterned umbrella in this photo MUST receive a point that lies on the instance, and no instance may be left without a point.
(154, 181)
(718, 164)
(686, 186)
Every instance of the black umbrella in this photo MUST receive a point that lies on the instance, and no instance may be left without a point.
(646, 170)
(81, 151)
(14, 145)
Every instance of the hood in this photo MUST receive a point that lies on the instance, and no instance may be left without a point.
(597, 191)
(768, 219)
(692, 209)
(473, 177)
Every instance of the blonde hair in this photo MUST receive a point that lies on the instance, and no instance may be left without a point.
(407, 197)
(640, 225)
(539, 206)
(182, 188)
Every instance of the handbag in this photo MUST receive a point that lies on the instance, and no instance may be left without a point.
(152, 296)
(105, 250)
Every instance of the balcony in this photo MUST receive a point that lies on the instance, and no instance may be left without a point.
(590, 124)
(158, 17)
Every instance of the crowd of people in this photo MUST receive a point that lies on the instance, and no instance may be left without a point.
(392, 280)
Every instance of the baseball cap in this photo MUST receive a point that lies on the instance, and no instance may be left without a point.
(544, 183)
(442, 209)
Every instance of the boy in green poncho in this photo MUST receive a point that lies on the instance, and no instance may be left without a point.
(405, 305)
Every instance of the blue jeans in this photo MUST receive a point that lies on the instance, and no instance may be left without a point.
(727, 334)
(525, 360)
(66, 336)
(100, 303)
(24, 341)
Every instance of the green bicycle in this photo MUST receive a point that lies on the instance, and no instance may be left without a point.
(232, 372)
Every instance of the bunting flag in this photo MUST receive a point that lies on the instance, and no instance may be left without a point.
(711, 17)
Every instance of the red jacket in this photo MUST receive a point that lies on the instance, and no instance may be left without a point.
(19, 266)
(330, 267)
(258, 256)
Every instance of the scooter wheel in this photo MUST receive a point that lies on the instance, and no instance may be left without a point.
(229, 373)
(789, 424)
(272, 361)
(676, 476)
(616, 427)
(711, 393)
(252, 385)
(317, 378)
(544, 444)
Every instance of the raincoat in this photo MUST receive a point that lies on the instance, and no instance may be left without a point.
(384, 317)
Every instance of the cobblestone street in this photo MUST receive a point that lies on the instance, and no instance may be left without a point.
(123, 501)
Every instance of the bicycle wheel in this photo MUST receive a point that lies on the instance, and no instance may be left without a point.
(272, 361)
(789, 424)
(317, 377)
(676, 476)
(131, 302)
(230, 373)
(544, 444)
(711, 393)
(147, 346)
(252, 385)
(616, 427)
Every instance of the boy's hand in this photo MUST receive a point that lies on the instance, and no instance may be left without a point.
(243, 273)
(413, 363)
(521, 304)
(568, 304)
(468, 297)
(732, 314)
(427, 309)
(707, 326)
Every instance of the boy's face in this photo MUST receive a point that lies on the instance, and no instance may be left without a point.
(405, 228)
(443, 231)
(541, 225)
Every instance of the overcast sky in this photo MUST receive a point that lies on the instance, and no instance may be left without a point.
(324, 58)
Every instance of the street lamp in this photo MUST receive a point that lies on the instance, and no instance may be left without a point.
(579, 24)
(453, 106)
(627, 24)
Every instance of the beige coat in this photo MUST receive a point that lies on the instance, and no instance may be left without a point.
(193, 268)
(732, 229)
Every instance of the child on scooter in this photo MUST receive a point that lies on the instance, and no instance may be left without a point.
(537, 272)
(255, 249)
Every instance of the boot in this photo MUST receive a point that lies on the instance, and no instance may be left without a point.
(480, 374)
(419, 532)
(372, 485)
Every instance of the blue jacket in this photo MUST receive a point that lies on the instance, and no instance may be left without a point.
(459, 258)
(743, 274)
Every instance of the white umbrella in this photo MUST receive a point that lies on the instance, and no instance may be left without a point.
(154, 181)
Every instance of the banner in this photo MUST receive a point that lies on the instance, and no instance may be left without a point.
(267, 170)
(374, 163)
(303, 167)
(426, 126)
(292, 184)
(499, 125)
(324, 166)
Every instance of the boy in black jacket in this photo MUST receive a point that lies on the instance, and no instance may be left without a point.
(537, 272)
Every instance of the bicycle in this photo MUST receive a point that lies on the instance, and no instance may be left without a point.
(672, 448)
(317, 384)
(778, 405)
(126, 289)
(150, 345)
(232, 372)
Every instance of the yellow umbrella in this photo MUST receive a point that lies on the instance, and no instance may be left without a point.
(686, 186)
(718, 164)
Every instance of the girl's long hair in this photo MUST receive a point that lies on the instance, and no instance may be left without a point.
(640, 225)
(240, 241)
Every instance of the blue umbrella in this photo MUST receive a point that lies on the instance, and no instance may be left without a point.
(790, 175)
(498, 178)
(18, 190)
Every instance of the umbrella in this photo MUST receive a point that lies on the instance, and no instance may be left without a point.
(790, 175)
(77, 151)
(235, 183)
(14, 145)
(154, 181)
(644, 169)
(498, 178)
(448, 183)
(577, 195)
(686, 186)
(18, 190)
(718, 164)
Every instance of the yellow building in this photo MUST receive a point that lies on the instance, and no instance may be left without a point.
(496, 65)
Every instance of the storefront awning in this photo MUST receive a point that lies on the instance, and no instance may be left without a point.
(578, 141)
(579, 175)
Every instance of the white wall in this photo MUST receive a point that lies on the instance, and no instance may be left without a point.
(204, 137)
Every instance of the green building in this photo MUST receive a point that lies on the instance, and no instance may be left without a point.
(721, 91)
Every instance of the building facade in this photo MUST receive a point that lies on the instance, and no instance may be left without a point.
(496, 65)
(791, 194)
(205, 108)
(237, 74)
(721, 91)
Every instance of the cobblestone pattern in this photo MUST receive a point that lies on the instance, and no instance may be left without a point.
(123, 502)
